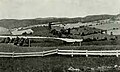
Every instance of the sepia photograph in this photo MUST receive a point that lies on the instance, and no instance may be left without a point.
(59, 35)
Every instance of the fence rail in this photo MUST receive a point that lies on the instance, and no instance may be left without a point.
(28, 54)
(87, 52)
(62, 52)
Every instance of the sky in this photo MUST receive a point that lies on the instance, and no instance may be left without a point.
(23, 9)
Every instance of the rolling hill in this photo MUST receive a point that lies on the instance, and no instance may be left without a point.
(15, 23)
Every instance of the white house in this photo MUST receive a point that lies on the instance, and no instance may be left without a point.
(20, 32)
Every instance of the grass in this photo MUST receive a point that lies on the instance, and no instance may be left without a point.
(107, 26)
(54, 63)
(12, 48)
(85, 30)
(106, 42)
(100, 36)
(41, 31)
(46, 42)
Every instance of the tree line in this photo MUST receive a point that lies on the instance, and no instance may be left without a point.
(99, 39)
(16, 41)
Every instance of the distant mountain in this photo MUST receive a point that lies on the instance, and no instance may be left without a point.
(14, 23)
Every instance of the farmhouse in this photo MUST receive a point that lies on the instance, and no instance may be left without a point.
(20, 32)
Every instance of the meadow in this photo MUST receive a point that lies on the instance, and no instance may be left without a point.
(56, 63)
(12, 48)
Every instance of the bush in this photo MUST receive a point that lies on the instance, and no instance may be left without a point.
(7, 40)
(21, 41)
(82, 34)
(87, 40)
(94, 39)
(112, 38)
(12, 40)
(16, 40)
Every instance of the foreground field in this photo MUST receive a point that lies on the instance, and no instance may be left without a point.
(55, 63)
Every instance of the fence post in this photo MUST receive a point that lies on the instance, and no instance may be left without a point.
(42, 53)
(72, 53)
(86, 53)
(57, 51)
(80, 44)
(101, 53)
(13, 55)
(117, 53)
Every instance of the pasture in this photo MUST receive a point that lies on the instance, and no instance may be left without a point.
(13, 48)
(107, 26)
(55, 63)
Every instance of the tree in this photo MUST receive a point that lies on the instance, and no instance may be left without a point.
(30, 33)
(63, 31)
(7, 40)
(111, 33)
(82, 34)
(68, 30)
(87, 40)
(53, 32)
(25, 33)
(12, 40)
(49, 25)
(16, 41)
(94, 39)
(105, 38)
(95, 32)
(27, 42)
(21, 42)
(59, 34)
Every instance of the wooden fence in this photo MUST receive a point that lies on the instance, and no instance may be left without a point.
(63, 52)
(28, 54)
(87, 52)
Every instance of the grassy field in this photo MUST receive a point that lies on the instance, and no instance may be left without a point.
(107, 26)
(41, 31)
(12, 48)
(106, 42)
(55, 63)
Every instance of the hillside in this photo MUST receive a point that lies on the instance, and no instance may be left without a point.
(14, 23)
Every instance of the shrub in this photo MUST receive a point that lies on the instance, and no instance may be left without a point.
(12, 40)
(16, 40)
(21, 42)
(7, 40)
(94, 39)
(82, 34)
(87, 40)
(25, 33)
